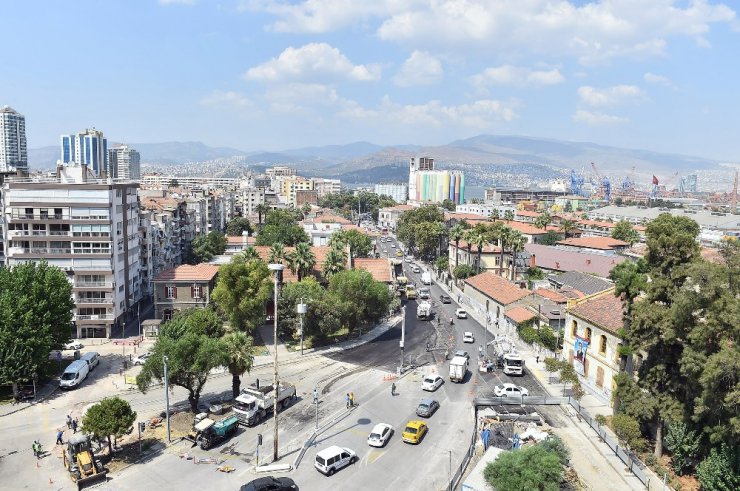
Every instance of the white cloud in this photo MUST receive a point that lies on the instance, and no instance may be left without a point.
(177, 2)
(611, 96)
(226, 99)
(419, 69)
(314, 61)
(658, 79)
(517, 76)
(594, 32)
(596, 118)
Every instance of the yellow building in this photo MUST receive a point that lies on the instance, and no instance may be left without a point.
(289, 186)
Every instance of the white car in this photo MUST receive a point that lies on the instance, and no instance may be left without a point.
(461, 314)
(510, 390)
(468, 337)
(393, 246)
(141, 359)
(76, 344)
(416, 269)
(432, 382)
(380, 435)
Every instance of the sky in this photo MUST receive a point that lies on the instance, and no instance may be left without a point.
(275, 74)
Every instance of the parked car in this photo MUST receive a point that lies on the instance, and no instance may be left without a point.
(510, 390)
(333, 458)
(432, 382)
(461, 353)
(461, 314)
(445, 298)
(468, 337)
(269, 483)
(393, 246)
(416, 269)
(76, 344)
(141, 359)
(414, 431)
(426, 408)
(424, 294)
(380, 435)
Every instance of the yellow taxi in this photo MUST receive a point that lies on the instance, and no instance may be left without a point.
(399, 254)
(414, 431)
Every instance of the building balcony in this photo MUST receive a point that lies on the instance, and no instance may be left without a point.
(80, 301)
(92, 284)
(93, 317)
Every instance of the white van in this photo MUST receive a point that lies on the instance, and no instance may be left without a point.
(92, 358)
(75, 373)
(331, 459)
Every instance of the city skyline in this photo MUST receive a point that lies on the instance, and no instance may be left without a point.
(272, 76)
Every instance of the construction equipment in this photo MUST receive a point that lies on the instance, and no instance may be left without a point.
(209, 432)
(80, 461)
(424, 311)
(254, 403)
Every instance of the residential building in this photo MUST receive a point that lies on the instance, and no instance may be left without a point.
(303, 197)
(13, 151)
(326, 186)
(388, 217)
(491, 295)
(380, 269)
(399, 192)
(89, 228)
(173, 229)
(591, 342)
(88, 148)
(572, 202)
(602, 245)
(289, 276)
(288, 187)
(184, 287)
(587, 284)
(322, 227)
(555, 259)
(124, 163)
(164, 181)
(484, 210)
(464, 253)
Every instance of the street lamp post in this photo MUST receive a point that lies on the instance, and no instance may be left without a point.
(301, 308)
(316, 402)
(276, 268)
(167, 399)
(403, 337)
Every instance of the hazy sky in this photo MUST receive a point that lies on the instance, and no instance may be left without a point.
(270, 75)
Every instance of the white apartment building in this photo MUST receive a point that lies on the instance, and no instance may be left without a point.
(89, 228)
(484, 210)
(13, 151)
(399, 192)
(326, 186)
(124, 163)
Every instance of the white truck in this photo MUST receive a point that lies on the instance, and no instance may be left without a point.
(458, 368)
(426, 278)
(513, 364)
(424, 311)
(254, 403)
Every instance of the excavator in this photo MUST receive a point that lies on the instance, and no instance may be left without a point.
(80, 462)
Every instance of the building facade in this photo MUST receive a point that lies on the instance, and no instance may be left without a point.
(184, 287)
(13, 151)
(326, 186)
(430, 185)
(399, 192)
(88, 148)
(124, 163)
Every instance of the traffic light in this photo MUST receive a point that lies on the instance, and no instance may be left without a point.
(142, 427)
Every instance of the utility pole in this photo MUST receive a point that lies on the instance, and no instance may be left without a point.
(167, 399)
(403, 337)
(276, 268)
(316, 402)
(302, 309)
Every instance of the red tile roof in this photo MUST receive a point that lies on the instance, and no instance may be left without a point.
(379, 268)
(560, 259)
(487, 248)
(528, 228)
(527, 213)
(330, 218)
(551, 295)
(604, 312)
(519, 314)
(597, 223)
(239, 240)
(603, 243)
(319, 252)
(188, 272)
(497, 288)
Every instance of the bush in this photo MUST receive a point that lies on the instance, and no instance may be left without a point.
(600, 419)
(533, 467)
(720, 471)
(684, 445)
(556, 445)
(628, 432)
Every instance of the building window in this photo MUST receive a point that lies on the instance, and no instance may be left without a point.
(588, 334)
(195, 291)
(602, 345)
(573, 328)
(599, 377)
(167, 315)
(171, 292)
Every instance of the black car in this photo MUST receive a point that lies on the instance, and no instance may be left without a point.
(427, 407)
(270, 483)
(445, 298)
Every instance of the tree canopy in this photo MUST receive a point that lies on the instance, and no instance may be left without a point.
(281, 227)
(242, 289)
(360, 243)
(534, 467)
(550, 238)
(35, 318)
(237, 226)
(110, 417)
(624, 230)
(348, 203)
(204, 247)
(419, 229)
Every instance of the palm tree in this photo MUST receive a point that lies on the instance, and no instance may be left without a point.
(305, 209)
(302, 260)
(543, 220)
(335, 261)
(495, 215)
(261, 209)
(517, 242)
(250, 254)
(277, 253)
(469, 237)
(479, 238)
(504, 239)
(568, 227)
(456, 234)
(509, 215)
(238, 347)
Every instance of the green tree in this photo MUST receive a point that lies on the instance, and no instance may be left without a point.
(556, 445)
(568, 228)
(242, 290)
(623, 230)
(496, 215)
(542, 220)
(535, 273)
(517, 241)
(35, 317)
(250, 254)
(203, 321)
(281, 227)
(276, 254)
(238, 347)
(204, 247)
(335, 261)
(628, 432)
(463, 271)
(509, 215)
(549, 238)
(173, 183)
(416, 229)
(479, 237)
(442, 263)
(505, 235)
(110, 417)
(534, 467)
(305, 209)
(683, 444)
(315, 297)
(720, 471)
(456, 234)
(360, 244)
(237, 226)
(302, 260)
(359, 297)
(191, 355)
(261, 210)
(448, 205)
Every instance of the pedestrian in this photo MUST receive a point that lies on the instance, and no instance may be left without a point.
(347, 400)
(59, 437)
(352, 399)
(69, 421)
(538, 358)
(74, 425)
(35, 449)
(393, 389)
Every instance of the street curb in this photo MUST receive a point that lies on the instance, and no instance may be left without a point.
(30, 404)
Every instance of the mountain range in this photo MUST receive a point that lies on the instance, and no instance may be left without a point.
(483, 157)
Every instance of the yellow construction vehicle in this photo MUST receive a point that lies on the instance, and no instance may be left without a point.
(80, 461)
